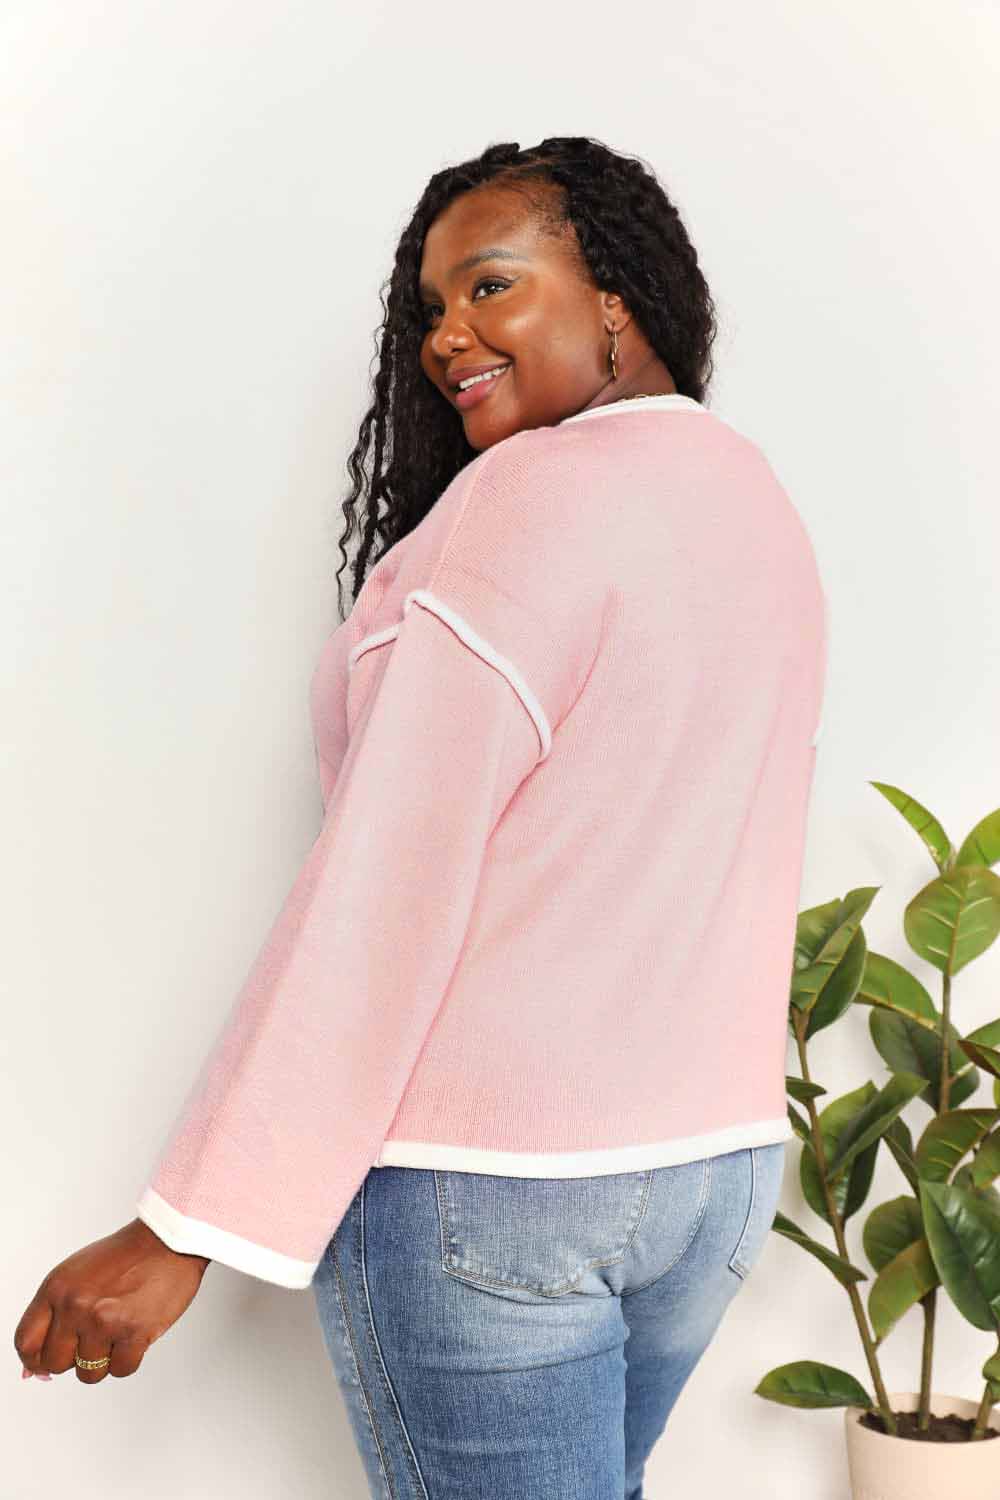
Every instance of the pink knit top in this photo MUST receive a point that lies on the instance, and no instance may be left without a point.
(566, 740)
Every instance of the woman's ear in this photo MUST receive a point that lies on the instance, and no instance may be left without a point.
(614, 311)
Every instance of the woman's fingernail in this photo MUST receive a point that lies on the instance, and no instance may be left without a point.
(25, 1373)
(43, 1374)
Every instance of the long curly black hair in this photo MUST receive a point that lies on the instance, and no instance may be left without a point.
(411, 444)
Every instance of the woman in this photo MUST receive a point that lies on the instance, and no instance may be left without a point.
(505, 1085)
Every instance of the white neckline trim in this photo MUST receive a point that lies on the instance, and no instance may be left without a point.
(668, 401)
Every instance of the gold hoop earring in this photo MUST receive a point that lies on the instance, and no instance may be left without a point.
(614, 353)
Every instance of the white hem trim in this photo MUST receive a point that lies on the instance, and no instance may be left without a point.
(585, 1163)
(196, 1237)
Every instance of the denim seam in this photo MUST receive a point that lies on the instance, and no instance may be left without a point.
(379, 1363)
(736, 1264)
(478, 1278)
(641, 1214)
(369, 1410)
(706, 1178)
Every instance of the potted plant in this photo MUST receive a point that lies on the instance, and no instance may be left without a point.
(943, 1230)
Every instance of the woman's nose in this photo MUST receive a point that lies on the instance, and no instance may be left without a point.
(452, 333)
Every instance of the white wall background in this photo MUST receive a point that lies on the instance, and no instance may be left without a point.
(199, 202)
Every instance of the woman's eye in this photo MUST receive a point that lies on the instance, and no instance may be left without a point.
(431, 307)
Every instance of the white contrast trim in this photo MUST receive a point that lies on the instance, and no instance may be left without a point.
(476, 643)
(668, 401)
(585, 1163)
(379, 638)
(482, 647)
(195, 1237)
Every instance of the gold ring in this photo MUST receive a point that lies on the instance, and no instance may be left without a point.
(92, 1364)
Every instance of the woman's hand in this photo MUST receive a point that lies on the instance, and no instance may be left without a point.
(114, 1297)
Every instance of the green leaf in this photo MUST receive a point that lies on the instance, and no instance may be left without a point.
(949, 1137)
(828, 958)
(982, 844)
(964, 1083)
(804, 1382)
(799, 1124)
(900, 1143)
(872, 1121)
(890, 1227)
(844, 1271)
(840, 988)
(801, 1090)
(924, 823)
(851, 1187)
(814, 929)
(963, 1232)
(986, 1163)
(891, 986)
(909, 1276)
(986, 1036)
(954, 918)
(983, 1046)
(964, 1178)
(986, 1057)
(908, 1047)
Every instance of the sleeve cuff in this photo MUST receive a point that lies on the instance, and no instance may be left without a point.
(195, 1237)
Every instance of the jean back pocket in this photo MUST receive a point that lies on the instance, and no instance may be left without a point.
(536, 1236)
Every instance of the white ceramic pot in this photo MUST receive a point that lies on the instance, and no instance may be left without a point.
(892, 1468)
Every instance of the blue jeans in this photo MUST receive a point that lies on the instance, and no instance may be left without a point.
(513, 1338)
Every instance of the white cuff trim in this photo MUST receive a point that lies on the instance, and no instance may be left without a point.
(196, 1237)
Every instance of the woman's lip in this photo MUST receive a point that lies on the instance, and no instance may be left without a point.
(479, 392)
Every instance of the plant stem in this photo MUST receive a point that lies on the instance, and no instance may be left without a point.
(983, 1414)
(945, 1088)
(928, 1303)
(836, 1223)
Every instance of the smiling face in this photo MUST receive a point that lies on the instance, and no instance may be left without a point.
(530, 307)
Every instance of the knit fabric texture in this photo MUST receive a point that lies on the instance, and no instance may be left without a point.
(566, 740)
